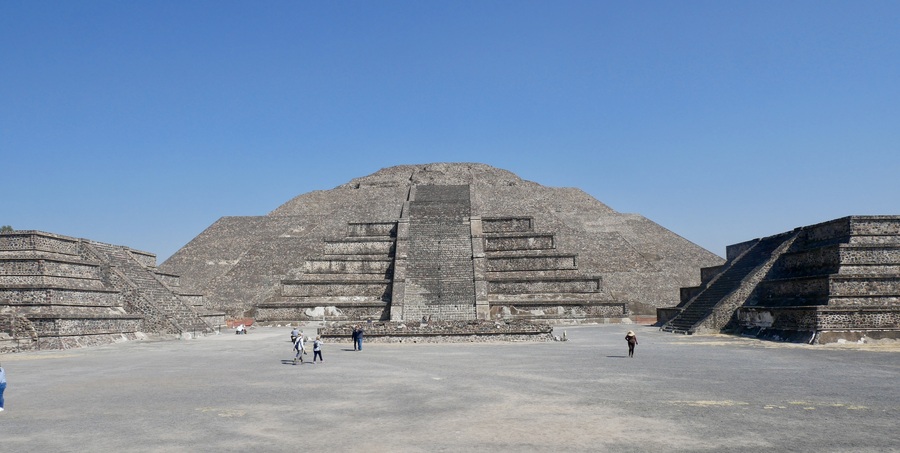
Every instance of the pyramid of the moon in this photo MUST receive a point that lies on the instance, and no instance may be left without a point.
(447, 241)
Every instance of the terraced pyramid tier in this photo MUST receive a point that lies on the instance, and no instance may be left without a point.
(447, 241)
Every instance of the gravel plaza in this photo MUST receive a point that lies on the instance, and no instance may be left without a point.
(241, 393)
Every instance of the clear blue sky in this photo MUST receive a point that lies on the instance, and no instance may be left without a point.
(140, 123)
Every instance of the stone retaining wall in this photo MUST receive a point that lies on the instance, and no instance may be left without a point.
(296, 311)
(529, 242)
(442, 332)
(815, 319)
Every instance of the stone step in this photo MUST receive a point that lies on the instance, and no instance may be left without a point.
(506, 224)
(375, 277)
(319, 301)
(524, 286)
(37, 281)
(526, 263)
(365, 246)
(574, 297)
(553, 274)
(830, 286)
(370, 265)
(372, 229)
(372, 288)
(152, 289)
(531, 241)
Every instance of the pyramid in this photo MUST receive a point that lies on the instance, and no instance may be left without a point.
(444, 241)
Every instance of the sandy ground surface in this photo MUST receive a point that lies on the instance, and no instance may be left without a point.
(241, 393)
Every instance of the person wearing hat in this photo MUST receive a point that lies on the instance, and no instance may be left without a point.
(631, 338)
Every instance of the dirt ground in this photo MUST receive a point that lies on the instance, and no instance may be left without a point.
(241, 393)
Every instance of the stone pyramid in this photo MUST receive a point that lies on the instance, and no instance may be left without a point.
(447, 241)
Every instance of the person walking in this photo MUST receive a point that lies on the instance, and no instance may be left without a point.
(631, 338)
(299, 347)
(317, 350)
(2, 386)
(355, 336)
(359, 338)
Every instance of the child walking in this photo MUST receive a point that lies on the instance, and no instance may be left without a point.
(317, 349)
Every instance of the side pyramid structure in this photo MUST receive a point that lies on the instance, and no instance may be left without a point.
(59, 292)
(448, 241)
(837, 280)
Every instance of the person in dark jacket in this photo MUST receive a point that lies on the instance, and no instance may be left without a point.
(317, 349)
(355, 336)
(631, 338)
(359, 338)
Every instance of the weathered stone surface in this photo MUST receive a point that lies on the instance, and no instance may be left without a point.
(449, 230)
(60, 292)
(824, 282)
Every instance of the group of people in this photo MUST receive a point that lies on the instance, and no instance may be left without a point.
(299, 342)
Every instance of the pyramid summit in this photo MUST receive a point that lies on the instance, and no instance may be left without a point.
(448, 241)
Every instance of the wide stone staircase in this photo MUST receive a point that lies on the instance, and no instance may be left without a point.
(716, 290)
(440, 282)
(351, 280)
(438, 262)
(159, 302)
(527, 277)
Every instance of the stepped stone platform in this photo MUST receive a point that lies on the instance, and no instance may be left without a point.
(453, 242)
(833, 281)
(443, 332)
(59, 292)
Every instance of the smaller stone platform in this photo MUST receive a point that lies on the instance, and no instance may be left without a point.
(443, 332)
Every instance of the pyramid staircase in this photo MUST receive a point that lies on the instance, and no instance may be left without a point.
(734, 275)
(438, 262)
(527, 277)
(159, 303)
(351, 280)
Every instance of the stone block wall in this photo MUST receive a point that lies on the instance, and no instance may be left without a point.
(305, 288)
(39, 241)
(350, 280)
(347, 311)
(840, 275)
(66, 294)
(527, 278)
(519, 242)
